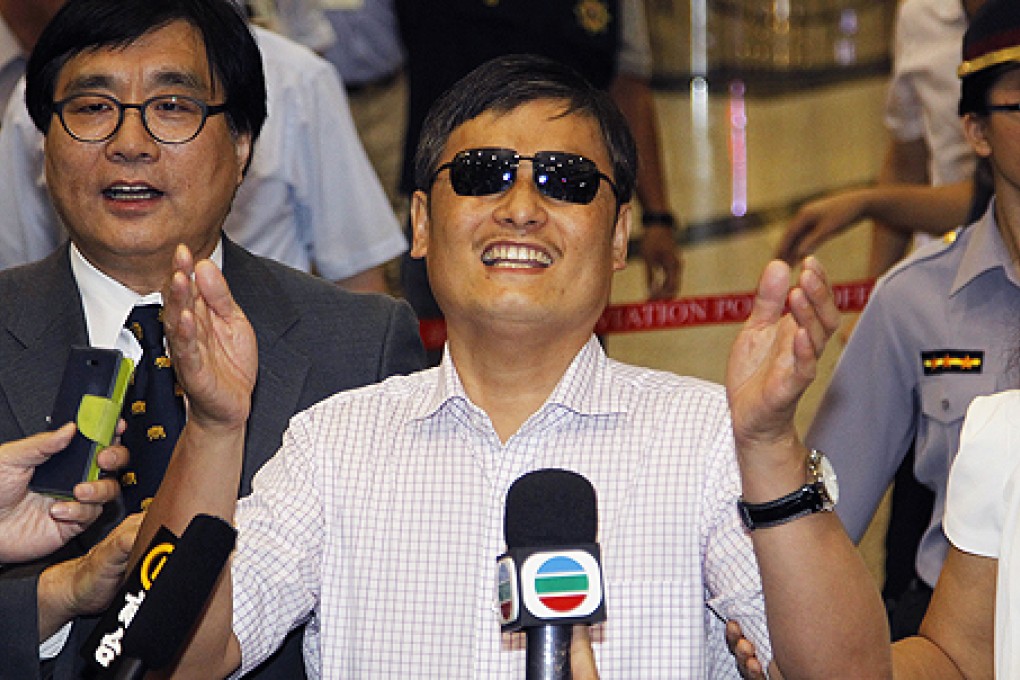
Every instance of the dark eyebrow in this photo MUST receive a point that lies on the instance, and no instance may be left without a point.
(89, 81)
(189, 81)
(166, 78)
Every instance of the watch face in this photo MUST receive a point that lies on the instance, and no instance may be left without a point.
(828, 478)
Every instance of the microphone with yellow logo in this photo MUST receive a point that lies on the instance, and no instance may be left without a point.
(152, 615)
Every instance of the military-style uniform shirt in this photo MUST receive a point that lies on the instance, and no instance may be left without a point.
(941, 328)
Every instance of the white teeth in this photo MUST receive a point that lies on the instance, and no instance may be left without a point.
(126, 192)
(515, 256)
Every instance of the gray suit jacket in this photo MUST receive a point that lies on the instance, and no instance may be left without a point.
(313, 340)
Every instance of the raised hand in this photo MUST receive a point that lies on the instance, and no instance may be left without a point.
(33, 525)
(775, 356)
(211, 341)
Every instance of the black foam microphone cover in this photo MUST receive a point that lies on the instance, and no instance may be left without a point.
(550, 507)
(549, 578)
(173, 605)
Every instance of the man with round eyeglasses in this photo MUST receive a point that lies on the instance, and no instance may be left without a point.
(150, 110)
(310, 200)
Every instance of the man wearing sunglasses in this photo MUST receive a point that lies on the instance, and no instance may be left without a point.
(606, 41)
(150, 110)
(381, 517)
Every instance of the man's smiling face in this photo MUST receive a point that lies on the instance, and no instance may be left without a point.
(519, 256)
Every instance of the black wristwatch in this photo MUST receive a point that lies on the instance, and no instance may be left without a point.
(818, 495)
(658, 219)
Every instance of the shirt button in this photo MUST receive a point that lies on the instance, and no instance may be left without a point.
(945, 404)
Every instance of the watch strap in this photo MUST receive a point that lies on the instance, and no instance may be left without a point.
(806, 500)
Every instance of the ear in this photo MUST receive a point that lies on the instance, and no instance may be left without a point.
(242, 146)
(419, 224)
(621, 236)
(975, 129)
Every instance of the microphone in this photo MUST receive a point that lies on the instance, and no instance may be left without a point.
(153, 614)
(550, 578)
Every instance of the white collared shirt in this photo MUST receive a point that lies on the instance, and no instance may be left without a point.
(381, 519)
(107, 303)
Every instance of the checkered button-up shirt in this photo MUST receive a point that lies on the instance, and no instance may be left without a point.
(381, 519)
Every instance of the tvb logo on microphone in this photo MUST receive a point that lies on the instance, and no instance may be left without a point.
(550, 587)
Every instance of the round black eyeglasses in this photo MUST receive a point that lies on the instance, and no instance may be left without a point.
(169, 118)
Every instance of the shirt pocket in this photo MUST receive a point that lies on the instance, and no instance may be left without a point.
(944, 404)
(946, 400)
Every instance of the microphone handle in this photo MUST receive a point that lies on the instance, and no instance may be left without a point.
(130, 668)
(548, 655)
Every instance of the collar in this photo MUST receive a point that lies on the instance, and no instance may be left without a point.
(107, 302)
(984, 250)
(583, 389)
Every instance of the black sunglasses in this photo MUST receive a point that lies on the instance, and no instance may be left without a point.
(558, 174)
(1003, 107)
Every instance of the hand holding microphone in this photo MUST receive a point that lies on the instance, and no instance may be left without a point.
(147, 624)
(582, 658)
(550, 578)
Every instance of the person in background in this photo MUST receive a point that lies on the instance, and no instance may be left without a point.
(310, 199)
(21, 23)
(926, 147)
(369, 56)
(929, 150)
(362, 42)
(149, 111)
(939, 334)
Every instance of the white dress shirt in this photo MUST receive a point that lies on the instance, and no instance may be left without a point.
(381, 518)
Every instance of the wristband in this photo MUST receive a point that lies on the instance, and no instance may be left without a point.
(658, 219)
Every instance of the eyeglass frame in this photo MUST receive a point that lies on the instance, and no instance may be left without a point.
(206, 109)
(601, 176)
(1002, 107)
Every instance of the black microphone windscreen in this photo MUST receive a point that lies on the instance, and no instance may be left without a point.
(550, 507)
(179, 593)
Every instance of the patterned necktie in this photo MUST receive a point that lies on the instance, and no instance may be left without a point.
(153, 409)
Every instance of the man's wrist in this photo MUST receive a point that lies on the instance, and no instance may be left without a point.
(771, 471)
(199, 427)
(54, 599)
(659, 218)
(819, 493)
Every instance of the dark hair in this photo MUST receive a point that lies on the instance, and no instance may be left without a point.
(83, 25)
(506, 83)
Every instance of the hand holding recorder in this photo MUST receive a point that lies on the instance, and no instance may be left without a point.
(32, 524)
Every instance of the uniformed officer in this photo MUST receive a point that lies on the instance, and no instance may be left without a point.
(941, 328)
